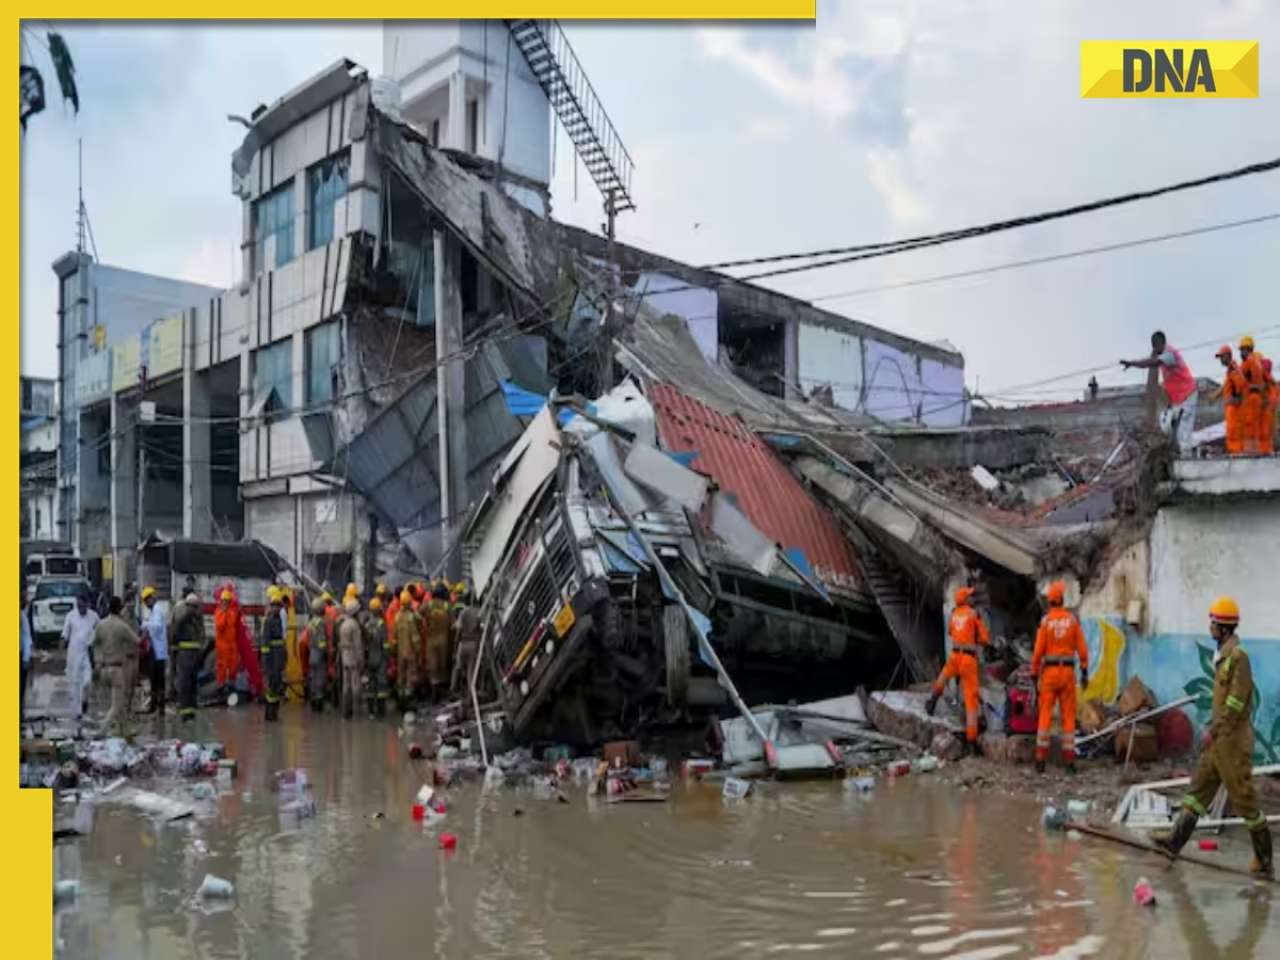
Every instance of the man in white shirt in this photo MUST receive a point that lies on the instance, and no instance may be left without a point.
(153, 627)
(25, 672)
(77, 638)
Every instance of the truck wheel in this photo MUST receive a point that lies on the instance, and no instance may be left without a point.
(675, 638)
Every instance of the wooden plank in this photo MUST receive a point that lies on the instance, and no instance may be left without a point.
(1104, 834)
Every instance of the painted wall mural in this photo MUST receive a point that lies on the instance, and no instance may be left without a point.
(1179, 665)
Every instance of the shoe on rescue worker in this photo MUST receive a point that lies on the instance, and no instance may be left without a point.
(1060, 651)
(969, 635)
(1227, 758)
(191, 646)
(271, 650)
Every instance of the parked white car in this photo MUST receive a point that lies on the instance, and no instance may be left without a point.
(53, 599)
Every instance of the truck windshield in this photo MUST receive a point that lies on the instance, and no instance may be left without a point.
(59, 588)
(62, 566)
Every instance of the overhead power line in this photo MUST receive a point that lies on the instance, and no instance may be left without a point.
(868, 250)
(1036, 261)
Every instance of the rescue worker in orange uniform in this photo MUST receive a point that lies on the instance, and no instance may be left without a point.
(1268, 439)
(969, 635)
(1232, 394)
(1255, 397)
(1060, 649)
(1227, 759)
(226, 629)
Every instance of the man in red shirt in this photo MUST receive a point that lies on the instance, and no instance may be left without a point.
(1179, 420)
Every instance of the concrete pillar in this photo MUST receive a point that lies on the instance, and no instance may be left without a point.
(457, 136)
(248, 434)
(451, 395)
(124, 490)
(197, 470)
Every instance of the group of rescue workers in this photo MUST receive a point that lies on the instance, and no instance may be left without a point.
(1061, 654)
(415, 644)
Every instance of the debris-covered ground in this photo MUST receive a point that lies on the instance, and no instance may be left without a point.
(331, 840)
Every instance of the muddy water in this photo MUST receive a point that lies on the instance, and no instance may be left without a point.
(913, 870)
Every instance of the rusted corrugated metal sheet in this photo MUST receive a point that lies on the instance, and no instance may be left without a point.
(766, 491)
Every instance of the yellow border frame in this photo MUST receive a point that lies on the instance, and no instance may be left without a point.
(26, 816)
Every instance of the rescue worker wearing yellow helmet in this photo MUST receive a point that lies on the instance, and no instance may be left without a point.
(271, 651)
(315, 641)
(351, 650)
(1227, 759)
(377, 651)
(408, 642)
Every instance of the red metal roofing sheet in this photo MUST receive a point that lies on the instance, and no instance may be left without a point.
(767, 492)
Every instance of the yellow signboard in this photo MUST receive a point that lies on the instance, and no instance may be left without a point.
(1179, 69)
(166, 346)
(564, 620)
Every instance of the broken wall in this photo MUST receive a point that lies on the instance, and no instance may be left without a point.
(1194, 553)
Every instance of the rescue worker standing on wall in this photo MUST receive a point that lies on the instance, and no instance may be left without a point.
(407, 640)
(1268, 438)
(351, 649)
(1228, 755)
(272, 653)
(315, 641)
(1232, 394)
(439, 634)
(114, 642)
(226, 625)
(377, 651)
(968, 636)
(1255, 397)
(1059, 642)
(1180, 390)
(186, 627)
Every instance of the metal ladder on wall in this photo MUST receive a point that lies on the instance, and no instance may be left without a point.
(547, 51)
(900, 609)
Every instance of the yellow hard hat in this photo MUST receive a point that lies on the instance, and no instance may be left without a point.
(380, 590)
(326, 597)
(273, 594)
(148, 592)
(1224, 610)
(353, 590)
(375, 604)
(352, 605)
(226, 595)
(406, 598)
(1246, 342)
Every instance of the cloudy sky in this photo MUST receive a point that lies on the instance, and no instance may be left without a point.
(886, 119)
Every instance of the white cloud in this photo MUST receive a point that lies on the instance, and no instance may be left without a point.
(765, 130)
(888, 173)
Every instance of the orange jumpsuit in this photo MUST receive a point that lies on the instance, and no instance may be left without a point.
(968, 633)
(1059, 642)
(1233, 389)
(1255, 397)
(1270, 394)
(226, 630)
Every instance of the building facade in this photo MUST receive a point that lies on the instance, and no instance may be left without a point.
(38, 458)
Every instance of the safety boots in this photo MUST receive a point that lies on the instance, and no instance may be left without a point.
(1262, 864)
(1183, 827)
(973, 749)
(931, 704)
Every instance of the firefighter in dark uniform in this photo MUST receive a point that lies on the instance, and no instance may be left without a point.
(271, 649)
(317, 640)
(377, 652)
(186, 630)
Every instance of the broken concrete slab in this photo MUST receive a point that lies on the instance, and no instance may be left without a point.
(1011, 749)
(901, 713)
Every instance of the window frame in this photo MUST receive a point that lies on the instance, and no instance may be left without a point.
(280, 386)
(281, 227)
(323, 194)
(332, 332)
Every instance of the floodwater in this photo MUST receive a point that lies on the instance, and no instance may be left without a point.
(915, 869)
